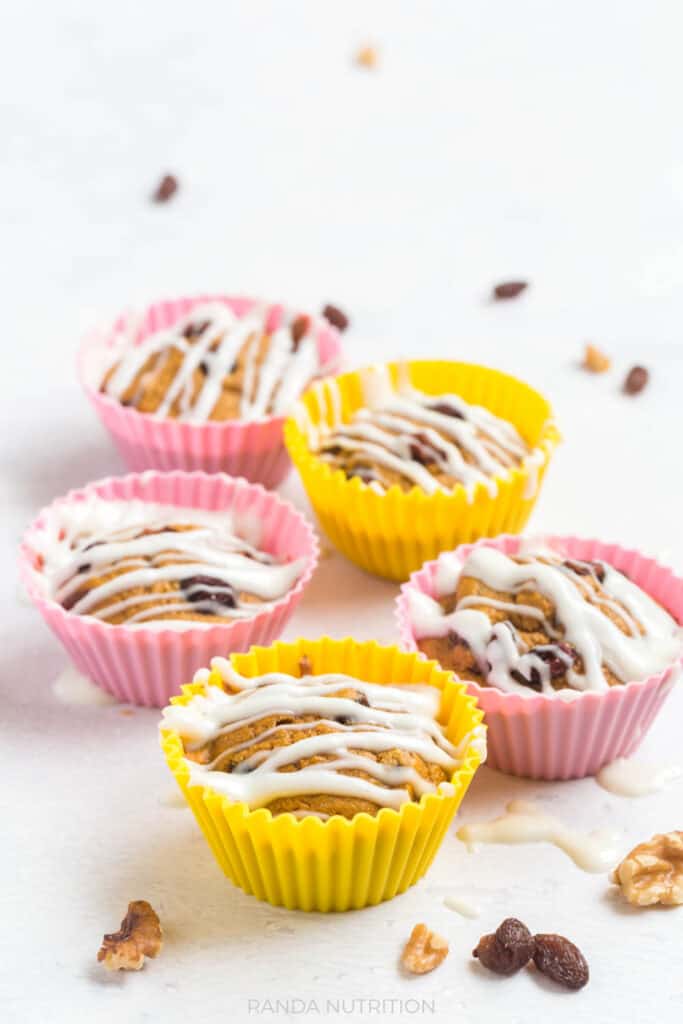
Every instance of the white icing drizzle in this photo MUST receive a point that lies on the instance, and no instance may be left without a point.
(462, 906)
(82, 541)
(586, 627)
(394, 717)
(630, 778)
(523, 822)
(269, 388)
(386, 428)
(72, 687)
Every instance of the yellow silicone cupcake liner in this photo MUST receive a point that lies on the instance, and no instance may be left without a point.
(338, 864)
(392, 534)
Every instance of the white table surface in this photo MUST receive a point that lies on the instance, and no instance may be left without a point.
(495, 140)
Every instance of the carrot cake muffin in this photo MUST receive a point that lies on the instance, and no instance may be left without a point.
(316, 744)
(539, 622)
(215, 365)
(404, 437)
(139, 563)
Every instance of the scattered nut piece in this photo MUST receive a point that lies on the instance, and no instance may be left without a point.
(636, 379)
(653, 872)
(595, 361)
(298, 328)
(561, 960)
(424, 950)
(367, 57)
(508, 949)
(305, 665)
(335, 316)
(509, 289)
(139, 936)
(167, 187)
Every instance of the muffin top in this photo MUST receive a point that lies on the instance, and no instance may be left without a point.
(313, 745)
(402, 436)
(215, 365)
(139, 563)
(540, 622)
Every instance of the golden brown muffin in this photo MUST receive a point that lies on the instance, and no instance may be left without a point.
(410, 755)
(214, 365)
(551, 623)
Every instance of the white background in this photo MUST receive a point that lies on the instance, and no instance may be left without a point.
(495, 140)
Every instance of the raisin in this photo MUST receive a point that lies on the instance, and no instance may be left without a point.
(84, 567)
(561, 960)
(586, 568)
(509, 289)
(446, 410)
(363, 473)
(636, 379)
(201, 589)
(558, 666)
(203, 367)
(336, 317)
(194, 330)
(534, 681)
(167, 187)
(297, 329)
(508, 949)
(423, 451)
(455, 640)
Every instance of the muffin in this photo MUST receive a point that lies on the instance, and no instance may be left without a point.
(323, 773)
(405, 460)
(142, 563)
(213, 364)
(570, 646)
(537, 621)
(204, 383)
(144, 577)
(406, 438)
(313, 744)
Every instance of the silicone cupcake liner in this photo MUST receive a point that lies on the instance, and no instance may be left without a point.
(253, 449)
(543, 737)
(338, 864)
(148, 665)
(392, 534)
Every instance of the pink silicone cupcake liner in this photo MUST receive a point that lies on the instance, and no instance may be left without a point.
(250, 448)
(148, 666)
(543, 737)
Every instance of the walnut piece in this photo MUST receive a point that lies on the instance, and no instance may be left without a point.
(139, 936)
(424, 950)
(653, 872)
(595, 360)
(367, 57)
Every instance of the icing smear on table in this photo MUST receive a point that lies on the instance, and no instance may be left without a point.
(524, 822)
(630, 778)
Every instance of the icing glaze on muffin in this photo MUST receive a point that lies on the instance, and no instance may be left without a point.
(402, 436)
(215, 365)
(541, 622)
(144, 564)
(316, 744)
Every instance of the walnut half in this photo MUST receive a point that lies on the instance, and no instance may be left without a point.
(424, 950)
(653, 872)
(139, 936)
